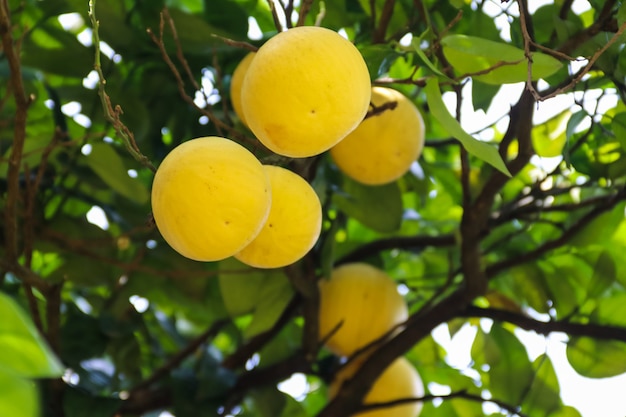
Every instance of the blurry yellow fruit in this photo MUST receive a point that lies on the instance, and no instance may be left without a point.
(399, 380)
(210, 198)
(235, 85)
(293, 225)
(305, 90)
(361, 304)
(384, 145)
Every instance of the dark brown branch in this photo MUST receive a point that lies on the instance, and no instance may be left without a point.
(402, 242)
(596, 27)
(579, 75)
(160, 43)
(377, 110)
(53, 316)
(277, 23)
(237, 44)
(383, 22)
(238, 358)
(175, 360)
(511, 409)
(305, 8)
(19, 135)
(495, 268)
(273, 373)
(418, 326)
(535, 207)
(596, 331)
(304, 279)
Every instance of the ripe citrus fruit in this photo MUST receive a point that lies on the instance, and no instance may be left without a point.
(235, 85)
(210, 198)
(293, 225)
(305, 90)
(360, 304)
(399, 380)
(384, 145)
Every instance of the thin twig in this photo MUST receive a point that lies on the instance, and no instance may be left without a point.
(277, 24)
(236, 44)
(219, 124)
(305, 8)
(580, 74)
(175, 360)
(112, 114)
(22, 103)
(511, 409)
(377, 110)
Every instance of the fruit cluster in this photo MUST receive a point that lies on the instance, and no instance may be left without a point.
(212, 199)
(307, 90)
(360, 306)
(304, 92)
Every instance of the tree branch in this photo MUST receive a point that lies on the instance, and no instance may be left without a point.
(497, 267)
(402, 242)
(238, 358)
(596, 331)
(19, 134)
(383, 23)
(511, 409)
(417, 327)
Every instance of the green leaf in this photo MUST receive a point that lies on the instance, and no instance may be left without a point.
(470, 55)
(621, 14)
(549, 137)
(483, 94)
(604, 274)
(268, 401)
(544, 394)
(24, 351)
(53, 50)
(18, 396)
(379, 58)
(481, 150)
(526, 285)
(416, 44)
(108, 165)
(81, 337)
(596, 358)
(77, 403)
(600, 229)
(263, 293)
(611, 310)
(619, 128)
(376, 207)
(510, 371)
(227, 16)
(566, 411)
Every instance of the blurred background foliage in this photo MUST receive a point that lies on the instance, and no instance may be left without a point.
(100, 317)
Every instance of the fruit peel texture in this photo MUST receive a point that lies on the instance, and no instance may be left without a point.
(360, 304)
(293, 225)
(383, 147)
(305, 90)
(210, 198)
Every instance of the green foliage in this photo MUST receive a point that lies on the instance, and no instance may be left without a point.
(24, 351)
(477, 148)
(501, 62)
(135, 329)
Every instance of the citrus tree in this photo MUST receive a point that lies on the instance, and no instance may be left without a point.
(500, 223)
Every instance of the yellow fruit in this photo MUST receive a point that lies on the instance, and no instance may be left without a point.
(305, 90)
(385, 145)
(210, 198)
(363, 301)
(293, 225)
(235, 85)
(399, 380)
